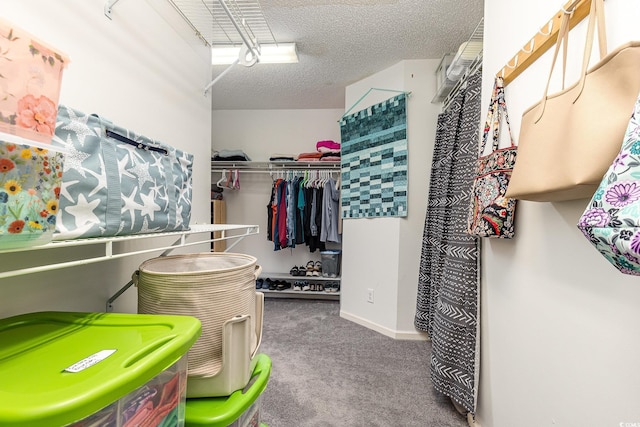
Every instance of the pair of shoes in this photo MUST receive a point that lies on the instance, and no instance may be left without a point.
(270, 284)
(332, 287)
(317, 268)
(298, 271)
(281, 285)
(259, 283)
(309, 268)
(316, 287)
(300, 285)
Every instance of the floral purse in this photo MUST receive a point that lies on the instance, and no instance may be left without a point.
(611, 221)
(491, 214)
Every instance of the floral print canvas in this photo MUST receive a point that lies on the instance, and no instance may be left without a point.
(611, 221)
(30, 179)
(30, 79)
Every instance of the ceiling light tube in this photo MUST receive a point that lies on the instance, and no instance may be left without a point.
(281, 53)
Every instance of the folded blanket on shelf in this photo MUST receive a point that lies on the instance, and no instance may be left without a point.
(282, 157)
(229, 155)
(315, 155)
(330, 159)
(328, 150)
(328, 144)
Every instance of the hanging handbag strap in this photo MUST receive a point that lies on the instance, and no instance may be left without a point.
(497, 112)
(596, 14)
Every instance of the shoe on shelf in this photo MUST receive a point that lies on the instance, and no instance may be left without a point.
(294, 271)
(297, 285)
(259, 283)
(281, 285)
(305, 285)
(319, 287)
(317, 268)
(271, 284)
(310, 267)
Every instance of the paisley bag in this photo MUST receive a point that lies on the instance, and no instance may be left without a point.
(116, 182)
(611, 221)
(491, 214)
(568, 140)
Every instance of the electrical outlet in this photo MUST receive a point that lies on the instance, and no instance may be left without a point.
(370, 295)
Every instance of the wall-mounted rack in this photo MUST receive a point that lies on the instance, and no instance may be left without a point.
(454, 68)
(267, 167)
(543, 40)
(112, 249)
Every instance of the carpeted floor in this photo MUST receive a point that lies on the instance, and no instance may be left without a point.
(329, 372)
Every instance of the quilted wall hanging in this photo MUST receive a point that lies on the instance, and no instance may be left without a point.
(374, 160)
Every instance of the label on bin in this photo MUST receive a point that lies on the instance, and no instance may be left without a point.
(90, 361)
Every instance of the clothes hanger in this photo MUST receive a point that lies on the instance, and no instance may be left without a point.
(236, 179)
(220, 184)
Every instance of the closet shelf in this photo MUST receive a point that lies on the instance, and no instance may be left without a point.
(219, 166)
(300, 294)
(112, 247)
(290, 293)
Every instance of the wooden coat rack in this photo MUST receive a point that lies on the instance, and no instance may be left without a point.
(544, 39)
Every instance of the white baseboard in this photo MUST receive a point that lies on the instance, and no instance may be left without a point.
(398, 335)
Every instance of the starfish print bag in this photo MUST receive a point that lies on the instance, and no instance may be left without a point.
(116, 182)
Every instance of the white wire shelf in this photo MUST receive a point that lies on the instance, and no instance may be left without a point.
(112, 249)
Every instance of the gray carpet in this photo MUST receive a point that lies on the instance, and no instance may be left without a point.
(328, 371)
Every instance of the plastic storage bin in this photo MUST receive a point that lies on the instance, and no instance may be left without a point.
(331, 263)
(240, 409)
(94, 369)
(31, 78)
(30, 179)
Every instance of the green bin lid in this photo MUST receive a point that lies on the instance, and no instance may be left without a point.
(224, 411)
(53, 368)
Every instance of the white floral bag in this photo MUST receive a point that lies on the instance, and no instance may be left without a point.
(611, 221)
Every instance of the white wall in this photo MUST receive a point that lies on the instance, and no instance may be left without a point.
(261, 133)
(558, 323)
(138, 71)
(389, 260)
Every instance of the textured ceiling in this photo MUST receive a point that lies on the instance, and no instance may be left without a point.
(341, 42)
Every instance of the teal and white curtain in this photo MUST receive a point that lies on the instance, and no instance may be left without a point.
(447, 303)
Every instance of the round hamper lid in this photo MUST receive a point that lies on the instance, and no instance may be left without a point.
(208, 262)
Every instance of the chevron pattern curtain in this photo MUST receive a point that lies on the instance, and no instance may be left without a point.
(448, 305)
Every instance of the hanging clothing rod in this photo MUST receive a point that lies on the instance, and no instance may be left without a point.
(297, 171)
(218, 166)
(544, 39)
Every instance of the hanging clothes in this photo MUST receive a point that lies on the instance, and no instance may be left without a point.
(297, 211)
(330, 212)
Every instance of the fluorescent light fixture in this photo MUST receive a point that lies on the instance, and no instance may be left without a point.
(281, 53)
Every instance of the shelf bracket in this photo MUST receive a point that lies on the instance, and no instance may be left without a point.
(108, 6)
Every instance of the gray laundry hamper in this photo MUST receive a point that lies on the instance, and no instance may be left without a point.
(218, 289)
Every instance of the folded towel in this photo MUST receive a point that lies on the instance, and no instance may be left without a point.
(330, 159)
(313, 155)
(328, 150)
(308, 159)
(225, 154)
(230, 159)
(328, 144)
(330, 155)
(282, 158)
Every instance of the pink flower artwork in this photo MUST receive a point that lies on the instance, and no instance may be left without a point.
(37, 114)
